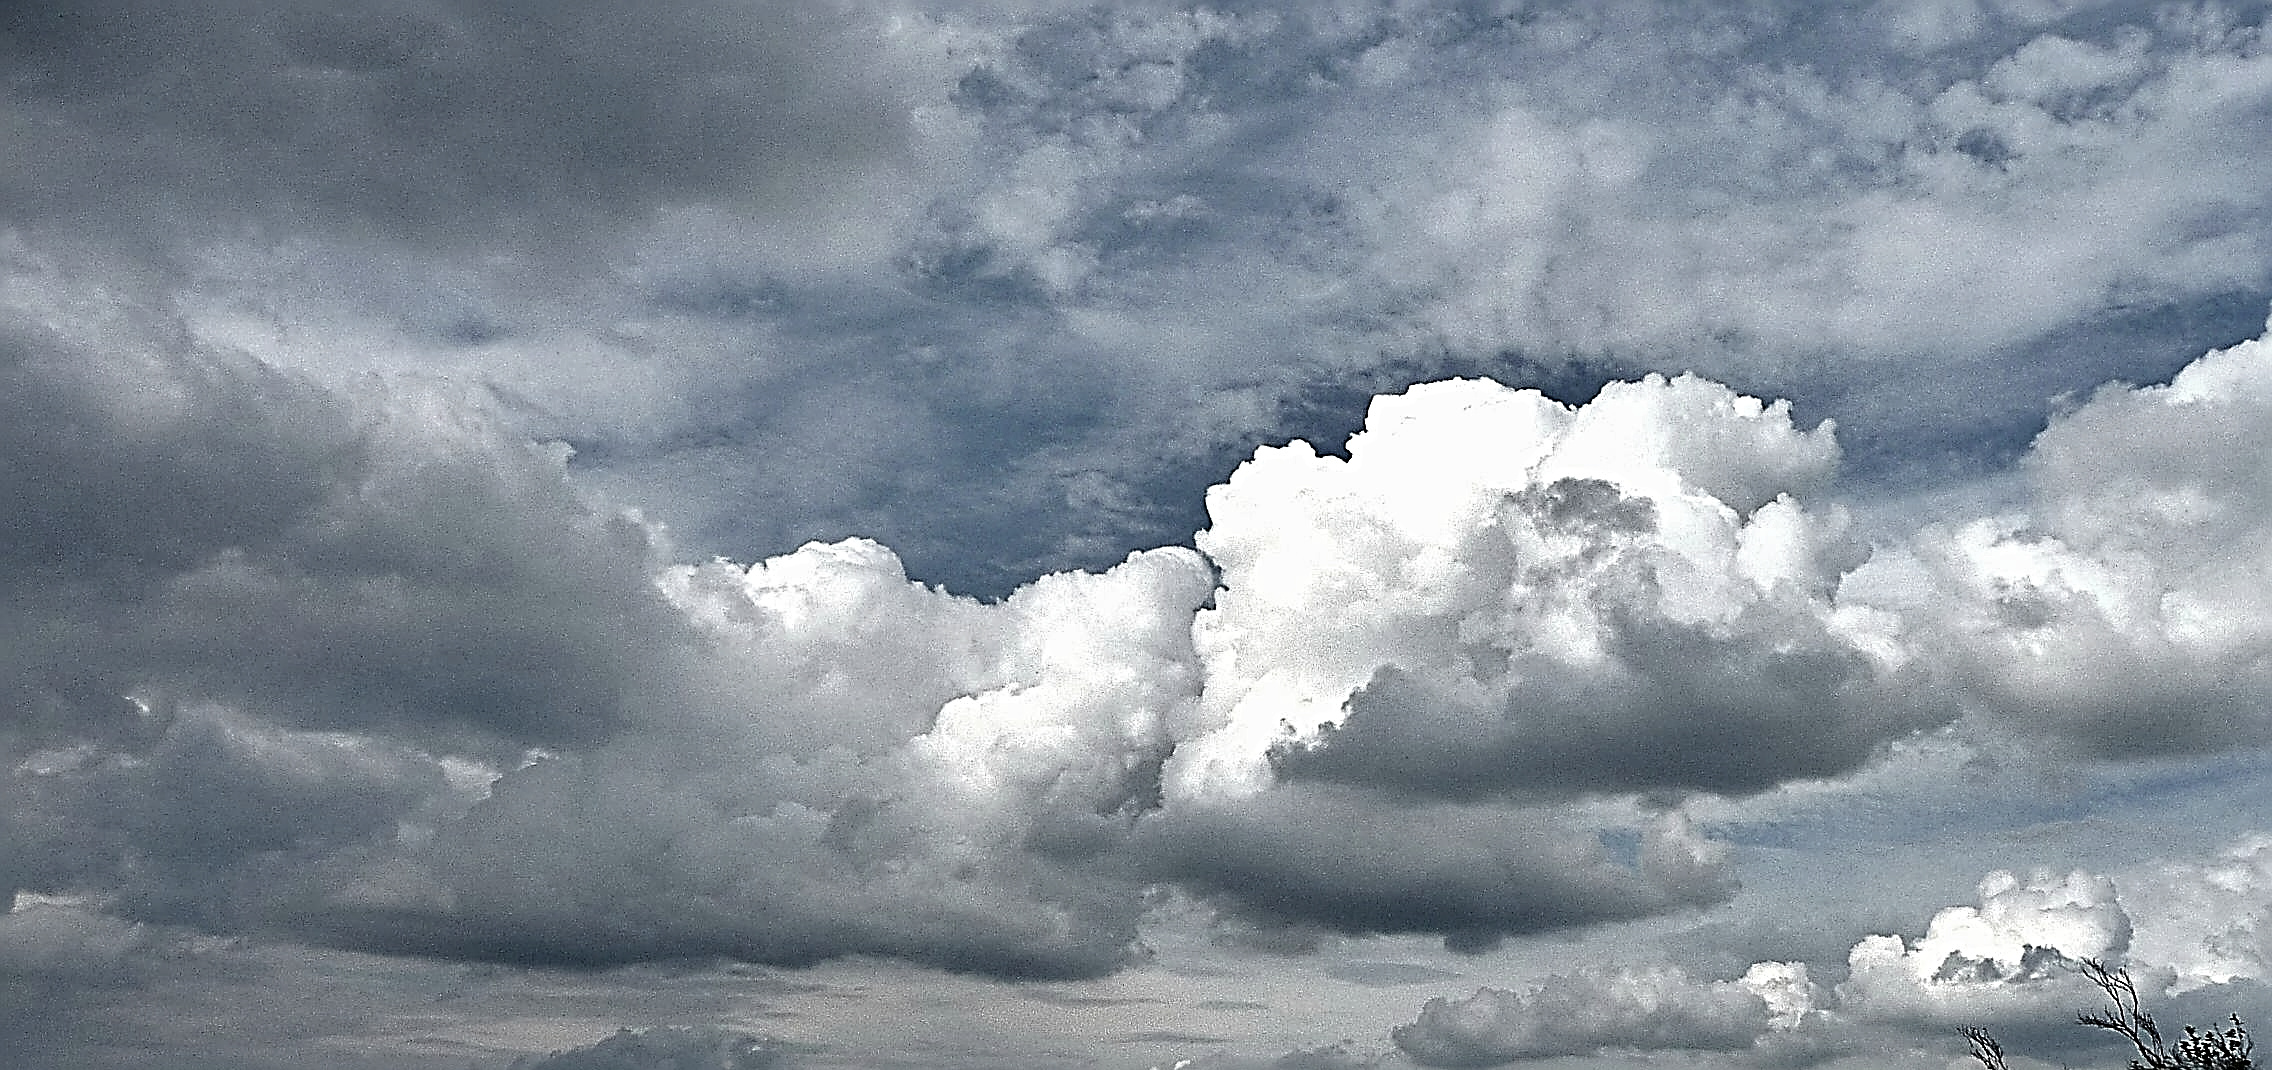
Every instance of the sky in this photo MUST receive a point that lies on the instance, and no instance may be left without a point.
(829, 535)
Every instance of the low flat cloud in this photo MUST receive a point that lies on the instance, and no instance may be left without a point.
(678, 1048)
(1605, 1009)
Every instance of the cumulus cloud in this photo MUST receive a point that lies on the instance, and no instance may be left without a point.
(366, 670)
(1604, 1009)
(1495, 604)
(1499, 601)
(2189, 932)
(2203, 923)
(980, 832)
(1483, 594)
(246, 615)
(2017, 949)
(298, 653)
(2184, 930)
(2123, 611)
(207, 525)
(463, 710)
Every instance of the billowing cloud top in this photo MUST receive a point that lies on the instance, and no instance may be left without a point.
(1498, 594)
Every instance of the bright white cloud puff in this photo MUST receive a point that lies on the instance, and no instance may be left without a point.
(1498, 594)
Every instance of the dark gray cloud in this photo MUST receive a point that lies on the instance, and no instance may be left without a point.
(1700, 711)
(204, 525)
(286, 656)
(435, 123)
(1344, 1055)
(1389, 974)
(576, 863)
(1355, 863)
(1331, 1057)
(227, 451)
(56, 959)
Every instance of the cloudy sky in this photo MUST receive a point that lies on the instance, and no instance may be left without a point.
(1015, 534)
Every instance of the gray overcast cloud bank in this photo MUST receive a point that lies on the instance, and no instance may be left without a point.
(378, 384)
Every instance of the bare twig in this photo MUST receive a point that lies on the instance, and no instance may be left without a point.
(2125, 1017)
(2229, 1048)
(1984, 1048)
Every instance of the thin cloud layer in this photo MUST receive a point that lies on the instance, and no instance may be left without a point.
(913, 269)
(669, 1049)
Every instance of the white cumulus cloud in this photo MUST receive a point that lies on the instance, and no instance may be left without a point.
(2125, 610)
(1481, 599)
